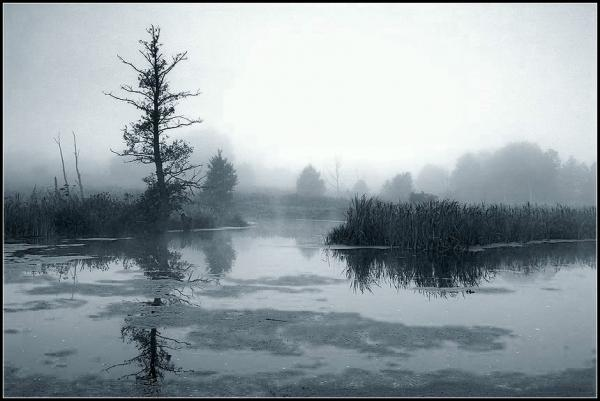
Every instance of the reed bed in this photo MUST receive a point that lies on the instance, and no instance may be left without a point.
(55, 214)
(447, 225)
(50, 214)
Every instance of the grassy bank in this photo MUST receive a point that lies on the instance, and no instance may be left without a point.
(449, 225)
(46, 215)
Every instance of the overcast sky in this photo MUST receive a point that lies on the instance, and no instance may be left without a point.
(385, 87)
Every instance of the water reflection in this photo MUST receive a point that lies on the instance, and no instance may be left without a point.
(157, 256)
(219, 253)
(367, 268)
(216, 246)
(153, 355)
(158, 262)
(308, 252)
(153, 256)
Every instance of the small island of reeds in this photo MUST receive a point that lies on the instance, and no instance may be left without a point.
(448, 225)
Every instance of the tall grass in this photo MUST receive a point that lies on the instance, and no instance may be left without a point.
(449, 225)
(54, 214)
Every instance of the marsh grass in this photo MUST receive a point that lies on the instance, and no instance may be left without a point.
(447, 225)
(55, 214)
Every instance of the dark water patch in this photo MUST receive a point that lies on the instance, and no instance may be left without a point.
(62, 353)
(302, 280)
(167, 288)
(202, 373)
(43, 305)
(315, 365)
(463, 290)
(87, 289)
(287, 332)
(236, 291)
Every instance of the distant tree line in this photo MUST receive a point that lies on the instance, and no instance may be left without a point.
(522, 172)
(516, 173)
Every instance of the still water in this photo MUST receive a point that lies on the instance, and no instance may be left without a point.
(269, 311)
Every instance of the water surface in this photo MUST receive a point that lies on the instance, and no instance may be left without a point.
(270, 311)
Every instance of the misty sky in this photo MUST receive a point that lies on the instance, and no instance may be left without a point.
(385, 88)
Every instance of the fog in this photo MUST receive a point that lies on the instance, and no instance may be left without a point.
(379, 89)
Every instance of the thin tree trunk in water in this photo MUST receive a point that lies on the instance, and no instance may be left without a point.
(77, 166)
(62, 160)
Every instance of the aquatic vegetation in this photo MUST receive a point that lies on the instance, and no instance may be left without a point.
(53, 214)
(50, 214)
(448, 225)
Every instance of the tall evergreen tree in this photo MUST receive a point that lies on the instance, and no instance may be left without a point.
(221, 179)
(309, 183)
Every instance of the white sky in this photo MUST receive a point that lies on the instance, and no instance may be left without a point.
(386, 87)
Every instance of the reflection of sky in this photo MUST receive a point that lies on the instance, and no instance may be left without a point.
(552, 329)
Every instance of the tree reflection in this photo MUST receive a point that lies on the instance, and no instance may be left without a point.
(372, 267)
(153, 358)
(216, 246)
(153, 256)
(308, 251)
(159, 263)
(219, 253)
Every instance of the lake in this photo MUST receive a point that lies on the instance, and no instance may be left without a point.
(268, 310)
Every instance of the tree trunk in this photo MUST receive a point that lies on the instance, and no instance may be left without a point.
(160, 176)
(77, 166)
(62, 160)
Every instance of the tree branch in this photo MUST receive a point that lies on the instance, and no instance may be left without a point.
(130, 64)
(126, 100)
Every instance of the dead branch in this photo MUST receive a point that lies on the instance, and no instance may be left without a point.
(76, 152)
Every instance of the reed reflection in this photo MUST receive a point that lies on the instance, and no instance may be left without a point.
(367, 268)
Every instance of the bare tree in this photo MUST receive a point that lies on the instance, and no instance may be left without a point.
(146, 139)
(76, 152)
(62, 160)
(335, 176)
